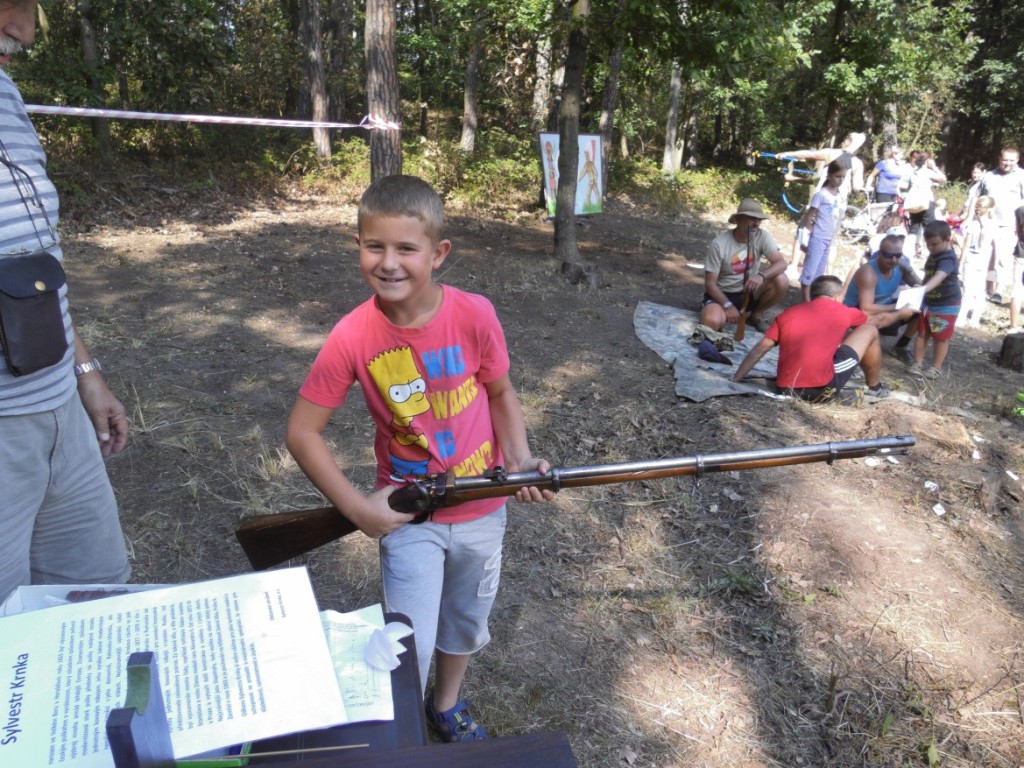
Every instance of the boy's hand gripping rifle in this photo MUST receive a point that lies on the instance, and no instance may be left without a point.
(273, 539)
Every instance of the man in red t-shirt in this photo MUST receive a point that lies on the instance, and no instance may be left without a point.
(821, 343)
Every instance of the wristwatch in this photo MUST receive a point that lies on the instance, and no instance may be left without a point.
(88, 367)
(727, 305)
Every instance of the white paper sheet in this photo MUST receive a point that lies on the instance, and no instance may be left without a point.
(39, 596)
(239, 659)
(366, 691)
(910, 297)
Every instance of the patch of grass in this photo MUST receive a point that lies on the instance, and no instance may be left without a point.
(701, 190)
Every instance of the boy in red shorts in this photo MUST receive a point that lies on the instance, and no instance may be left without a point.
(942, 298)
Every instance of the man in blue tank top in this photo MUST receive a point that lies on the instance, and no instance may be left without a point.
(876, 286)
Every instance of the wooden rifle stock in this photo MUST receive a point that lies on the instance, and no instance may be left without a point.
(273, 539)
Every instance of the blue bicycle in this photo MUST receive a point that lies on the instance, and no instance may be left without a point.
(792, 173)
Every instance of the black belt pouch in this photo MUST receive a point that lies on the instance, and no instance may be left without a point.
(31, 324)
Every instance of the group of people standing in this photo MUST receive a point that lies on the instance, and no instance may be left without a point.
(838, 326)
(993, 244)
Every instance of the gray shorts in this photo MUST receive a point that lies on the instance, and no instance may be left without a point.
(445, 579)
(58, 513)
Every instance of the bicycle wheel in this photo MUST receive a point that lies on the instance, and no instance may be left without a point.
(789, 204)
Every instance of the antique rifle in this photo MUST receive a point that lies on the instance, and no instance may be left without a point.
(741, 325)
(272, 539)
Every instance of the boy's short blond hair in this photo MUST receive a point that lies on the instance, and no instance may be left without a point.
(404, 196)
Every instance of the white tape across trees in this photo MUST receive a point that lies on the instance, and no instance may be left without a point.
(370, 122)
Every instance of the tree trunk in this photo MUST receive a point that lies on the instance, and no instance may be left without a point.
(609, 102)
(831, 123)
(422, 82)
(689, 155)
(1012, 353)
(382, 87)
(670, 157)
(837, 50)
(470, 97)
(100, 127)
(716, 145)
(337, 56)
(542, 85)
(557, 84)
(890, 127)
(566, 247)
(313, 61)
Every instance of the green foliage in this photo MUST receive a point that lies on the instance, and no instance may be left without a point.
(701, 190)
(503, 174)
(755, 75)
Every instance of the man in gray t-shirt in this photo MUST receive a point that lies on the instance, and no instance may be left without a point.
(57, 509)
(735, 278)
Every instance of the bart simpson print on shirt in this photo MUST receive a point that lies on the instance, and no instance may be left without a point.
(403, 388)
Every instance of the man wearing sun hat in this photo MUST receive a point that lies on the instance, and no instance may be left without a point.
(735, 275)
(876, 286)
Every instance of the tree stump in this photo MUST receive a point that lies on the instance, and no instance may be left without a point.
(1012, 353)
(581, 272)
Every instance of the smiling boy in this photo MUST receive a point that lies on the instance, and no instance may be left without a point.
(434, 370)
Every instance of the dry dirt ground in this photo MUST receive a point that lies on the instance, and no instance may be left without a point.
(800, 616)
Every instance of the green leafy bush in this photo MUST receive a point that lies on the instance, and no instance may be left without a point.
(701, 189)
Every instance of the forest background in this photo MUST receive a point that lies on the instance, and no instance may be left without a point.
(679, 90)
(816, 616)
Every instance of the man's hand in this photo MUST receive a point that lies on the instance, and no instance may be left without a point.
(532, 494)
(105, 411)
(732, 314)
(754, 284)
(753, 357)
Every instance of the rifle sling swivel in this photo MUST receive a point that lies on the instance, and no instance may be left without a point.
(556, 480)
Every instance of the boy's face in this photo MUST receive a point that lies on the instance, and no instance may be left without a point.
(397, 258)
(936, 245)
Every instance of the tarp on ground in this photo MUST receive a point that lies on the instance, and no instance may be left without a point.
(667, 331)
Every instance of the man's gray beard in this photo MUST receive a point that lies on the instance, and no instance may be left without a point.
(9, 46)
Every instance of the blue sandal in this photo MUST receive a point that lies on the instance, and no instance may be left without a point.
(455, 724)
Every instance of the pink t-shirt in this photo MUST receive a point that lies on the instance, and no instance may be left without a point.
(424, 388)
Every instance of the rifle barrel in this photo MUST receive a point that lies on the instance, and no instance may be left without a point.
(601, 474)
(272, 539)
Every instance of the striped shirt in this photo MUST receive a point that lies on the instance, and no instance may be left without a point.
(26, 227)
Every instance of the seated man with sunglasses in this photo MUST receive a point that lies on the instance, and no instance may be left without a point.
(876, 286)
